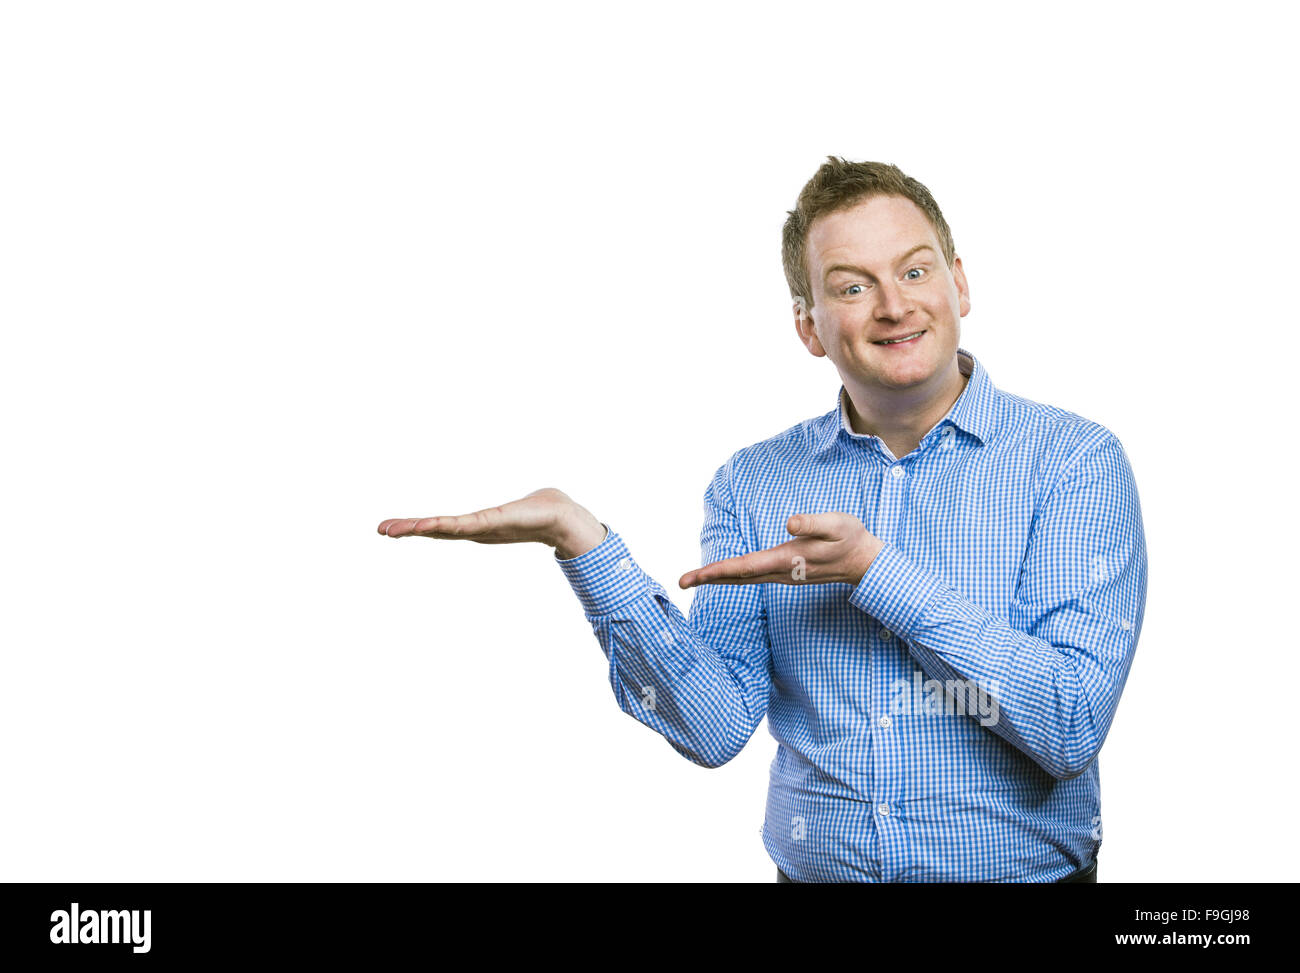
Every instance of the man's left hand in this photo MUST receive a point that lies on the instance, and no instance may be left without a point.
(828, 548)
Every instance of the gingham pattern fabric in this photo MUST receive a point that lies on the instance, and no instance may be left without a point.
(940, 721)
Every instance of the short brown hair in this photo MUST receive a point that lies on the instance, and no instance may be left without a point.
(840, 185)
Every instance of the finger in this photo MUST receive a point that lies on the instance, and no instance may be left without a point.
(390, 526)
(755, 568)
(443, 527)
(464, 526)
(771, 560)
(419, 527)
(782, 577)
(398, 527)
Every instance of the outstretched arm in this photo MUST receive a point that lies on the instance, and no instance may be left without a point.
(703, 684)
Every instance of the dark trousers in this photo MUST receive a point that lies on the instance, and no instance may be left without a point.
(1086, 874)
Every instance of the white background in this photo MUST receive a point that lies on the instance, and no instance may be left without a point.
(274, 272)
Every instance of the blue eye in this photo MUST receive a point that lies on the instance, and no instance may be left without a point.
(850, 288)
(915, 270)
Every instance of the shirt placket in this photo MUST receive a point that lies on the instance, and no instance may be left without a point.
(887, 783)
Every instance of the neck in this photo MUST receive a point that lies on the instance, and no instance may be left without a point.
(902, 417)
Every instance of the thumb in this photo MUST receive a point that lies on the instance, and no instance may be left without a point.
(803, 524)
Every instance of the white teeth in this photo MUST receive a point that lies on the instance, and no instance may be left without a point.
(897, 340)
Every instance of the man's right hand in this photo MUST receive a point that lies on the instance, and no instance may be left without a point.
(547, 516)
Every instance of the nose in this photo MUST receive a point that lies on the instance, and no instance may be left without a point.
(893, 304)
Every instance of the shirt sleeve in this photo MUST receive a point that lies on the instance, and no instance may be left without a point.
(702, 683)
(1055, 666)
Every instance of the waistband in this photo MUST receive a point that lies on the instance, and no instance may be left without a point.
(1085, 874)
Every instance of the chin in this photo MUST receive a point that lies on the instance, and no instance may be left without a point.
(909, 371)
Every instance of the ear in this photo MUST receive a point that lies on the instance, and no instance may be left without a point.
(806, 328)
(963, 289)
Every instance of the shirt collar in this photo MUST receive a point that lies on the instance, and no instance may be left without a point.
(973, 412)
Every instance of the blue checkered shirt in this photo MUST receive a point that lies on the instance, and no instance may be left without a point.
(940, 721)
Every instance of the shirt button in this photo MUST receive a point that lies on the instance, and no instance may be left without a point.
(947, 431)
(886, 634)
(885, 721)
(883, 809)
(625, 564)
(898, 472)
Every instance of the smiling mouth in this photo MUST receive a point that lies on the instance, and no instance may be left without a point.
(904, 340)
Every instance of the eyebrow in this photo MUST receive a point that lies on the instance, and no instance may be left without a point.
(850, 268)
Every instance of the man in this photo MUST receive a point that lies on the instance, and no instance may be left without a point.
(934, 591)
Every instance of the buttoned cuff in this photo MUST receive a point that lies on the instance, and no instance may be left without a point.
(605, 578)
(896, 592)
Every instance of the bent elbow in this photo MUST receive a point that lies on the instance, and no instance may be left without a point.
(1067, 772)
(710, 760)
(1063, 769)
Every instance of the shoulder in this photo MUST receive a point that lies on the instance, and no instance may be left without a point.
(1048, 426)
(1047, 441)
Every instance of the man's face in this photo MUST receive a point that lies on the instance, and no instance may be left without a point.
(877, 272)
